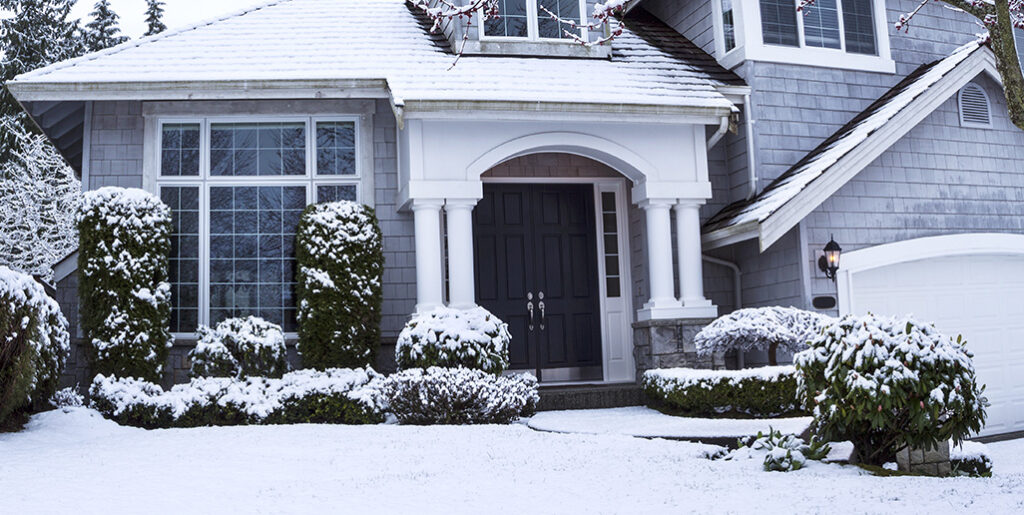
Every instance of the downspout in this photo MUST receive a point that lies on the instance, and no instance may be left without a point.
(737, 293)
(751, 166)
(717, 136)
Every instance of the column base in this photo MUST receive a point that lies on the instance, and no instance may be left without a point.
(462, 305)
(427, 308)
(677, 312)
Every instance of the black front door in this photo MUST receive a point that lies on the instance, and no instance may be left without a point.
(536, 269)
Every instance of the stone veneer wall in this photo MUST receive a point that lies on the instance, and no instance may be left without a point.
(668, 344)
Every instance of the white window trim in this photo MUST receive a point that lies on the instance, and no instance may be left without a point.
(750, 44)
(532, 26)
(153, 181)
(960, 107)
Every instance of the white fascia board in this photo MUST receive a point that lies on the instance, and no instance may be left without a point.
(729, 235)
(793, 211)
(561, 111)
(199, 90)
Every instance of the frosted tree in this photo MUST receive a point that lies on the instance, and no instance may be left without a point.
(103, 31)
(154, 17)
(39, 196)
(999, 19)
(769, 328)
(37, 33)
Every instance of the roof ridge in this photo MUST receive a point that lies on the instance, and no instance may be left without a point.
(135, 43)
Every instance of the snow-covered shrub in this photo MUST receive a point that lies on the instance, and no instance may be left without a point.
(333, 396)
(34, 343)
(240, 347)
(970, 459)
(340, 260)
(125, 297)
(446, 337)
(886, 382)
(769, 328)
(781, 453)
(459, 396)
(67, 398)
(754, 392)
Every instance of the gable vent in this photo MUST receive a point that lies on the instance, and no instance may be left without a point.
(974, 107)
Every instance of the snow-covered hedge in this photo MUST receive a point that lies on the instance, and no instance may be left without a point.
(334, 396)
(755, 392)
(768, 328)
(970, 459)
(459, 396)
(33, 343)
(340, 260)
(887, 382)
(240, 347)
(446, 337)
(125, 297)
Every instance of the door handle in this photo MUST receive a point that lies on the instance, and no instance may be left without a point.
(541, 297)
(529, 307)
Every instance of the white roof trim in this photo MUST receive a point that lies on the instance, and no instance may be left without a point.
(847, 167)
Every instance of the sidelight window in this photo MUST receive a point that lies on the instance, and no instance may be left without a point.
(237, 189)
(610, 224)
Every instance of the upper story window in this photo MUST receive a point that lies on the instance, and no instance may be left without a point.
(775, 31)
(527, 19)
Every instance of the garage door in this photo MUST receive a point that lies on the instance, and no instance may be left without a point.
(980, 296)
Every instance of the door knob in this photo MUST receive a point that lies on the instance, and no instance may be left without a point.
(540, 296)
(529, 307)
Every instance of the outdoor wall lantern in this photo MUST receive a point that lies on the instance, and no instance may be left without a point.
(829, 263)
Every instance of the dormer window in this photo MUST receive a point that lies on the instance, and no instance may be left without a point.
(526, 19)
(847, 34)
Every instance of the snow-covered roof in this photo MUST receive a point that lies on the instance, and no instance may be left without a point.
(748, 216)
(379, 40)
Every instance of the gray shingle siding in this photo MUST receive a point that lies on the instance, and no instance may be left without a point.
(692, 19)
(115, 150)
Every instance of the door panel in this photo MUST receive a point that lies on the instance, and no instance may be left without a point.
(543, 239)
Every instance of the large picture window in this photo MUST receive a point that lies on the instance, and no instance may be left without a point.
(237, 189)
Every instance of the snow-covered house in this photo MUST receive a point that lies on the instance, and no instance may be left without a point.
(605, 201)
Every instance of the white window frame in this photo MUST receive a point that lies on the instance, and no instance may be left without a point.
(960, 107)
(750, 44)
(154, 181)
(532, 26)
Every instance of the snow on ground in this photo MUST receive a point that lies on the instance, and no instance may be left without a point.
(646, 422)
(76, 462)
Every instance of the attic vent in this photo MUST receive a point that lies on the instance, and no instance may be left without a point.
(974, 108)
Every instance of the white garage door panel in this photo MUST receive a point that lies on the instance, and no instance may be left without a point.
(978, 296)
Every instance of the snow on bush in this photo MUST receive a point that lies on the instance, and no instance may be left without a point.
(459, 396)
(39, 196)
(889, 382)
(756, 392)
(779, 452)
(34, 342)
(125, 297)
(970, 459)
(446, 337)
(768, 328)
(239, 348)
(333, 396)
(340, 261)
(67, 398)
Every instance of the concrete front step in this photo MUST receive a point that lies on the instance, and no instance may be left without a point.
(590, 396)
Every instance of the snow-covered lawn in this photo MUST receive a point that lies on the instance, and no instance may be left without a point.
(79, 463)
(648, 423)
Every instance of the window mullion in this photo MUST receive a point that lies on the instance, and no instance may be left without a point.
(799, 25)
(842, 25)
(532, 30)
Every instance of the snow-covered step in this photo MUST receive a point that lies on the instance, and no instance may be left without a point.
(648, 423)
(575, 397)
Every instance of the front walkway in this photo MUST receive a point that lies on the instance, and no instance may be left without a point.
(80, 463)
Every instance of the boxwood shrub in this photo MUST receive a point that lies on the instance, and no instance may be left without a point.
(446, 337)
(459, 396)
(970, 459)
(33, 343)
(334, 396)
(125, 297)
(758, 392)
(240, 347)
(340, 261)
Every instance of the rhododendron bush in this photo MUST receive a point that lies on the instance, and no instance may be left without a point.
(885, 383)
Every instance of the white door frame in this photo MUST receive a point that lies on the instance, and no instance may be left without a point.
(623, 369)
(918, 249)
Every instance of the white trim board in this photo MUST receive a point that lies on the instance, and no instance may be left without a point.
(919, 249)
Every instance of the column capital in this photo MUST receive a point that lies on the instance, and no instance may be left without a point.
(426, 203)
(684, 203)
(460, 203)
(657, 203)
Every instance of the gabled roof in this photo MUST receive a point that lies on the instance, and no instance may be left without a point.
(335, 45)
(819, 174)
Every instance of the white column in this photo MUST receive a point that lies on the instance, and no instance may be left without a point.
(462, 294)
(427, 218)
(691, 261)
(663, 303)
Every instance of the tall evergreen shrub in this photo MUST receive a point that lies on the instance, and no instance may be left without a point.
(340, 261)
(125, 297)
